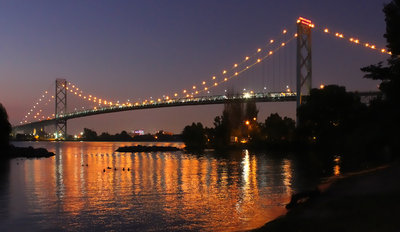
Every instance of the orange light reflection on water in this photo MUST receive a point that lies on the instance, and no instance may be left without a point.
(203, 192)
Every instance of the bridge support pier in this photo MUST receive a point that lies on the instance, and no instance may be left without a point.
(61, 108)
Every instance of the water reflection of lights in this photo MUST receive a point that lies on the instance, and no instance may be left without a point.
(203, 192)
(336, 168)
(287, 174)
(246, 169)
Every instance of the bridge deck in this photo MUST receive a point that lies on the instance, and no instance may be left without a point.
(205, 100)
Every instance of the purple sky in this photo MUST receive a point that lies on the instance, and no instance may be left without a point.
(137, 49)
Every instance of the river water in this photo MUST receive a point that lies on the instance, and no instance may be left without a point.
(79, 189)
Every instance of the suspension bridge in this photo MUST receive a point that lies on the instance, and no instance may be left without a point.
(200, 94)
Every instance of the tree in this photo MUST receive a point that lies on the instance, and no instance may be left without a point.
(89, 134)
(220, 135)
(389, 75)
(385, 112)
(194, 137)
(105, 136)
(123, 136)
(329, 114)
(278, 129)
(5, 128)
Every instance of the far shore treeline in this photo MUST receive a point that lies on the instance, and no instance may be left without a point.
(160, 136)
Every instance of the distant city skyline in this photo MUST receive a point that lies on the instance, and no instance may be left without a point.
(137, 49)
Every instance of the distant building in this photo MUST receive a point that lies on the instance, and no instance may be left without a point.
(136, 132)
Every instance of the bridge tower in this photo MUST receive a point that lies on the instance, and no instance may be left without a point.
(304, 64)
(61, 108)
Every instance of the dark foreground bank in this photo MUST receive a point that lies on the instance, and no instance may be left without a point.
(367, 201)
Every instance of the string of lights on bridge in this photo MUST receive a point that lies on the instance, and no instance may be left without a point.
(226, 75)
(356, 41)
(235, 70)
(35, 112)
(75, 90)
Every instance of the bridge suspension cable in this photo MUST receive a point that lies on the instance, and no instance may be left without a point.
(354, 40)
(78, 92)
(236, 69)
(36, 110)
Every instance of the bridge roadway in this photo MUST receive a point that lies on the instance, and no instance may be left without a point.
(203, 100)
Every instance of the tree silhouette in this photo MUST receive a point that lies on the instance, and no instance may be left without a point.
(194, 137)
(89, 134)
(5, 128)
(329, 114)
(385, 111)
(278, 129)
(389, 74)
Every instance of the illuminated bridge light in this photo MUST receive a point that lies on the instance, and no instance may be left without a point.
(305, 22)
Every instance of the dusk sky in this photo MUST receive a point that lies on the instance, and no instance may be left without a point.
(135, 49)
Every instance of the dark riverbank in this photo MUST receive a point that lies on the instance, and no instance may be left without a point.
(27, 152)
(365, 201)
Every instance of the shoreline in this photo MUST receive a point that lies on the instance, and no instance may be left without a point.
(366, 200)
(28, 152)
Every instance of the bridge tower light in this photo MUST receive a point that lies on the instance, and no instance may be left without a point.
(304, 61)
(61, 108)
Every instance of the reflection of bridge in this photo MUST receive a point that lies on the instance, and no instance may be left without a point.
(198, 94)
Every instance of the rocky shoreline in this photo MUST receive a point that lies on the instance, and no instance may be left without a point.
(28, 152)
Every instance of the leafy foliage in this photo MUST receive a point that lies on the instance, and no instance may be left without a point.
(329, 114)
(278, 129)
(194, 137)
